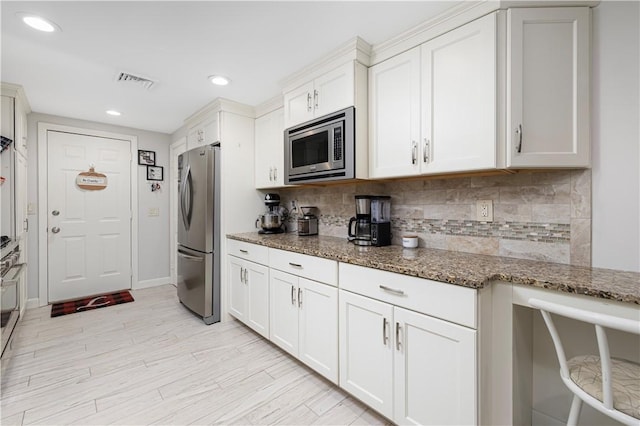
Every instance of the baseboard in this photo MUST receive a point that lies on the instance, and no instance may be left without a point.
(152, 283)
(33, 303)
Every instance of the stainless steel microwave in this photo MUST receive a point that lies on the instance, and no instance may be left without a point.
(322, 149)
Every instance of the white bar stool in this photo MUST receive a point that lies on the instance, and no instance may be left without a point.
(610, 385)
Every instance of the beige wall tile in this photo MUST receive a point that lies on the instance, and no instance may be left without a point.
(512, 212)
(581, 242)
(556, 213)
(535, 250)
(536, 194)
(478, 245)
(581, 194)
(449, 211)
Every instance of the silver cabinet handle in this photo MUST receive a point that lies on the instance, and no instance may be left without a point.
(293, 295)
(414, 152)
(391, 290)
(315, 99)
(519, 134)
(270, 174)
(425, 154)
(299, 297)
(246, 276)
(275, 174)
(398, 336)
(385, 338)
(241, 275)
(26, 224)
(55, 229)
(308, 101)
(244, 251)
(295, 265)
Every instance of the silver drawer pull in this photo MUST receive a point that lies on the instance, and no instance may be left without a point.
(391, 290)
(398, 344)
(244, 251)
(295, 265)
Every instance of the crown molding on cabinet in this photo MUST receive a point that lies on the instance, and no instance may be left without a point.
(453, 18)
(16, 91)
(270, 105)
(355, 49)
(219, 104)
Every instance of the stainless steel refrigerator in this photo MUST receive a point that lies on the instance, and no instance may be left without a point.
(199, 231)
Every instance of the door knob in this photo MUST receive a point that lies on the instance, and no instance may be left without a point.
(55, 212)
(55, 229)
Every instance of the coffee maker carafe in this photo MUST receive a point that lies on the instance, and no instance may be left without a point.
(372, 224)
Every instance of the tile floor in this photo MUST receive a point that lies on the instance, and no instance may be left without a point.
(153, 362)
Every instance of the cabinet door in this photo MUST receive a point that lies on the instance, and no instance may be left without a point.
(318, 322)
(237, 288)
(269, 159)
(366, 350)
(211, 130)
(334, 90)
(548, 95)
(195, 137)
(394, 116)
(298, 105)
(7, 122)
(21, 201)
(283, 313)
(459, 99)
(20, 130)
(257, 286)
(435, 371)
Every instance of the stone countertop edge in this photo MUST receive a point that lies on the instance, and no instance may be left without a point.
(459, 268)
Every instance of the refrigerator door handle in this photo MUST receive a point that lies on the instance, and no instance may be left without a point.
(186, 215)
(189, 257)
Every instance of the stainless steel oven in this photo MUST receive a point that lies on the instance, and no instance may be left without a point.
(322, 149)
(10, 285)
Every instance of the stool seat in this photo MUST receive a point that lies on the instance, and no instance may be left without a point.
(586, 372)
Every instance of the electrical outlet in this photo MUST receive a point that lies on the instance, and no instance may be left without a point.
(484, 210)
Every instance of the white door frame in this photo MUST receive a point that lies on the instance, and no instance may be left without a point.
(43, 128)
(175, 149)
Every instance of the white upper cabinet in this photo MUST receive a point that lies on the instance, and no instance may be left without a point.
(548, 87)
(433, 108)
(459, 99)
(394, 116)
(205, 132)
(327, 93)
(269, 160)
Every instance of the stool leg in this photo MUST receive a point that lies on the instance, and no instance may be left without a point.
(574, 413)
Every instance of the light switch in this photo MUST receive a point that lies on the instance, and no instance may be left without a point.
(154, 211)
(31, 208)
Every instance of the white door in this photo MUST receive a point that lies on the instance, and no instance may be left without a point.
(318, 324)
(298, 105)
(394, 116)
(257, 282)
(435, 371)
(269, 152)
(366, 350)
(283, 289)
(459, 99)
(89, 232)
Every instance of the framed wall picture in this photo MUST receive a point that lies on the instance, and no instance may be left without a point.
(146, 158)
(155, 173)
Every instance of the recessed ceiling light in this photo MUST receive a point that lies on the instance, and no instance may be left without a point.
(37, 22)
(113, 112)
(219, 80)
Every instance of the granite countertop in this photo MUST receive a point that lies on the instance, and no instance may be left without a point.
(464, 269)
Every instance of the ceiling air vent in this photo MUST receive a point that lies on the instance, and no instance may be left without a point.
(125, 77)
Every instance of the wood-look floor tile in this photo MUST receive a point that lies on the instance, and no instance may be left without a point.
(154, 362)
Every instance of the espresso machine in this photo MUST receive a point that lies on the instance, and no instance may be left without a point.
(272, 220)
(372, 224)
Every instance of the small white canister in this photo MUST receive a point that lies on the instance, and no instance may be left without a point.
(409, 241)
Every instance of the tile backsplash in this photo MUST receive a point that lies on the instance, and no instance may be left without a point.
(536, 215)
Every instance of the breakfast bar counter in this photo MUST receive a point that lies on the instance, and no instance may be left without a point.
(464, 269)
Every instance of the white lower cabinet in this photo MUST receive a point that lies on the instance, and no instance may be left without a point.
(249, 293)
(304, 321)
(411, 367)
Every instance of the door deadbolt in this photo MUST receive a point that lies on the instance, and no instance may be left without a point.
(55, 229)
(55, 212)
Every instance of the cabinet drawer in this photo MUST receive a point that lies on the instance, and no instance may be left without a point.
(446, 301)
(314, 268)
(248, 251)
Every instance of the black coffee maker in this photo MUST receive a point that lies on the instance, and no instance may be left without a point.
(372, 224)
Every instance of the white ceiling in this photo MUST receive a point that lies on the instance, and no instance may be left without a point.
(256, 44)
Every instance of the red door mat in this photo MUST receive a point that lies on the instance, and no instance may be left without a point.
(88, 303)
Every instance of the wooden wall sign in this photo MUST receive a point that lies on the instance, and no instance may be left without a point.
(91, 180)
